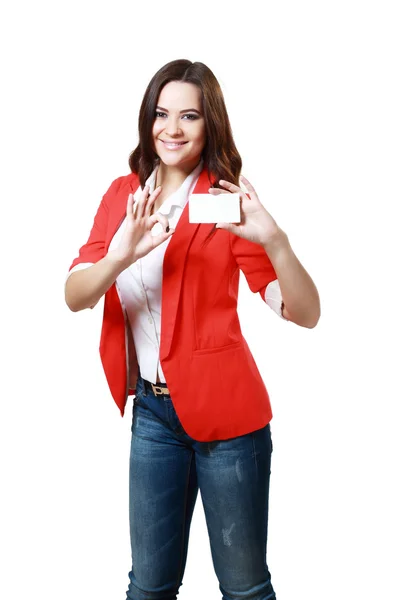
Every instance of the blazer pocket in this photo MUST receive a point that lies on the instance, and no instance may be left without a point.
(217, 350)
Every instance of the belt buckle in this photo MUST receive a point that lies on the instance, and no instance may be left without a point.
(158, 389)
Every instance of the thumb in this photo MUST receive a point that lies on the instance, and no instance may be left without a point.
(226, 226)
(161, 237)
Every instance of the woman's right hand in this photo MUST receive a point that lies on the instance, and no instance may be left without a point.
(137, 240)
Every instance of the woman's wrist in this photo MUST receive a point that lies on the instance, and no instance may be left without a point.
(120, 263)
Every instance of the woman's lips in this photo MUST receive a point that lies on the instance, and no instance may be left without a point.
(173, 145)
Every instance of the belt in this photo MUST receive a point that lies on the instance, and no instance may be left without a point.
(159, 389)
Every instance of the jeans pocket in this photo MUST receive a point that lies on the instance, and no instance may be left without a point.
(137, 401)
(138, 398)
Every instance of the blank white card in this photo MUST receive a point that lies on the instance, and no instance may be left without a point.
(207, 208)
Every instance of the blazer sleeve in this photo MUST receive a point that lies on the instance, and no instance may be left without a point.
(260, 274)
(94, 248)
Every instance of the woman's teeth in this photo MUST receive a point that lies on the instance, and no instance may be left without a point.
(173, 146)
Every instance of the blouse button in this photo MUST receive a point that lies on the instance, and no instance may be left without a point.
(150, 320)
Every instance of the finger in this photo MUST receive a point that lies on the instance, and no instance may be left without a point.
(162, 219)
(135, 207)
(150, 201)
(230, 186)
(142, 199)
(234, 188)
(228, 227)
(129, 206)
(216, 191)
(249, 187)
(161, 237)
(158, 218)
(246, 183)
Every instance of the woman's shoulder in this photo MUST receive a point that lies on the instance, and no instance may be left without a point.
(122, 181)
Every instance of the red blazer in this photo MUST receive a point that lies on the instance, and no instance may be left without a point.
(215, 385)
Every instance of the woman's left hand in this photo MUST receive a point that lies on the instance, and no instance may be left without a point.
(256, 224)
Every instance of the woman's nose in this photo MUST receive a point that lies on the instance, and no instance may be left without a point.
(172, 127)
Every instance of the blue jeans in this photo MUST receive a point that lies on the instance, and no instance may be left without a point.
(167, 468)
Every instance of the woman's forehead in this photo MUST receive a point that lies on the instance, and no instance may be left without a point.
(178, 95)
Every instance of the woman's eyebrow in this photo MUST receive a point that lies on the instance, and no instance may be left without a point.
(181, 111)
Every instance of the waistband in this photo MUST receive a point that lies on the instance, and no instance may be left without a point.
(158, 389)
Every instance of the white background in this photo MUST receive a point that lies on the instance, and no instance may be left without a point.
(312, 91)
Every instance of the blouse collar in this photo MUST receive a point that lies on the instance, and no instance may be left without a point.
(179, 197)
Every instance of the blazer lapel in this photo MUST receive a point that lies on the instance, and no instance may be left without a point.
(173, 267)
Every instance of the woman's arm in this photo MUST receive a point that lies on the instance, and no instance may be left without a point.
(300, 297)
(84, 288)
(299, 293)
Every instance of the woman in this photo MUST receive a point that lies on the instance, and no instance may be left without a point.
(171, 337)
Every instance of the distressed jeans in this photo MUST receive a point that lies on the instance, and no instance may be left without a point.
(167, 468)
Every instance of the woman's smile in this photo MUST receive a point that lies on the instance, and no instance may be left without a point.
(173, 145)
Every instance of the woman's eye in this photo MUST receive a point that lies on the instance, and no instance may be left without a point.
(191, 116)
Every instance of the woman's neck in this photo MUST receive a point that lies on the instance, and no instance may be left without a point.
(171, 178)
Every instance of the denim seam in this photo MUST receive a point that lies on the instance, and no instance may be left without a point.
(184, 519)
(255, 453)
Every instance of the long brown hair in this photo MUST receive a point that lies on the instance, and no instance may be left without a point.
(221, 157)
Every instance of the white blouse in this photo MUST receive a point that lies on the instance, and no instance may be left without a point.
(140, 285)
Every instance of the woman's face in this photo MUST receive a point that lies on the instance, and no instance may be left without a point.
(179, 118)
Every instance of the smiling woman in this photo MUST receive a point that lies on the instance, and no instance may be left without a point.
(183, 104)
(171, 337)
